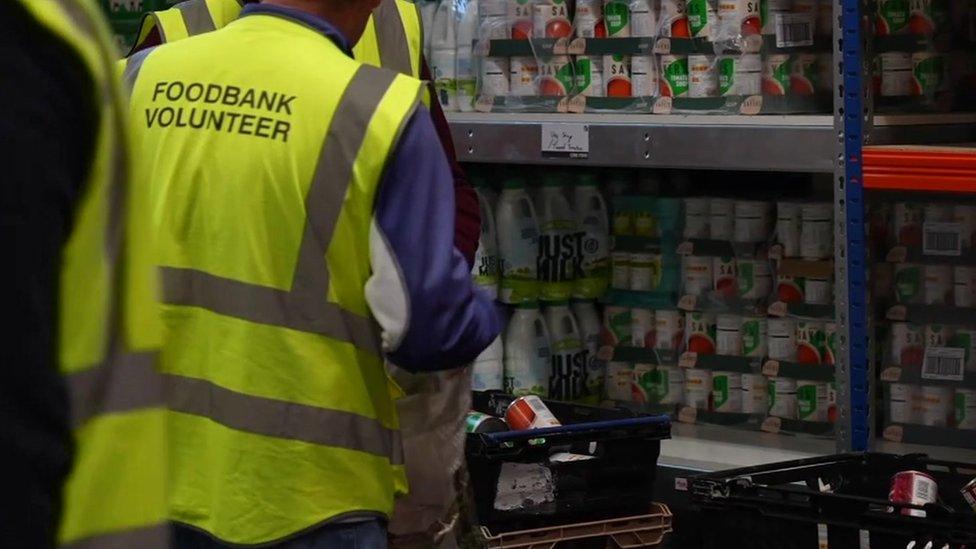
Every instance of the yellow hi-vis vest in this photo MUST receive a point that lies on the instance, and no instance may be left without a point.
(109, 322)
(263, 146)
(393, 38)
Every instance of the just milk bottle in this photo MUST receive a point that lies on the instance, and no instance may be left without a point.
(588, 321)
(467, 70)
(527, 352)
(517, 229)
(567, 372)
(443, 54)
(559, 241)
(486, 264)
(593, 221)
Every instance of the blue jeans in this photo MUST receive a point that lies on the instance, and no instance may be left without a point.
(367, 534)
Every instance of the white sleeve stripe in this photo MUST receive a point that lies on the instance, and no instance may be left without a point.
(386, 291)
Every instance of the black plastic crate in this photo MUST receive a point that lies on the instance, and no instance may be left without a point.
(617, 482)
(780, 505)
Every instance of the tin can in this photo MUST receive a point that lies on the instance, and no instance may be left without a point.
(520, 19)
(493, 20)
(816, 230)
(589, 75)
(494, 76)
(724, 277)
(901, 403)
(937, 212)
(776, 74)
(728, 337)
(825, 17)
(818, 291)
(674, 19)
(825, 81)
(937, 285)
(529, 412)
(963, 286)
(781, 342)
(753, 278)
(643, 327)
(698, 389)
(697, 274)
(556, 77)
(620, 270)
(935, 405)
(790, 289)
(750, 221)
(550, 19)
(645, 271)
(937, 335)
(616, 17)
(755, 394)
(788, 227)
(739, 74)
(623, 222)
(965, 401)
(669, 330)
(907, 344)
(965, 338)
(673, 76)
(909, 283)
(927, 17)
(643, 18)
(782, 397)
(522, 75)
(477, 422)
(617, 327)
(643, 75)
(696, 218)
(915, 488)
(727, 392)
(969, 490)
(830, 338)
(752, 330)
(702, 18)
(616, 74)
(908, 217)
(700, 332)
(811, 400)
(738, 18)
(640, 384)
(892, 17)
(930, 73)
(588, 19)
(896, 74)
(720, 218)
(805, 74)
(810, 341)
(620, 377)
(965, 215)
(667, 385)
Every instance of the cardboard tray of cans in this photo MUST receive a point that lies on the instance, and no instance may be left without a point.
(647, 530)
(599, 464)
(781, 504)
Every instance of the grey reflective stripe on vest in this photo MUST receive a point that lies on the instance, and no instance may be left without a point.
(305, 306)
(151, 537)
(128, 381)
(281, 419)
(391, 38)
(196, 17)
(132, 67)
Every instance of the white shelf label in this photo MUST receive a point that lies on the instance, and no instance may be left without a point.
(572, 140)
(794, 30)
(943, 363)
(942, 239)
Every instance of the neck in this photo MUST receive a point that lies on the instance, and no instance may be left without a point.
(344, 21)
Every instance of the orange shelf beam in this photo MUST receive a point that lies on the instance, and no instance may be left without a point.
(921, 168)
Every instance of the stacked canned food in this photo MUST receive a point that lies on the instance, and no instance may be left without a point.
(804, 231)
(809, 342)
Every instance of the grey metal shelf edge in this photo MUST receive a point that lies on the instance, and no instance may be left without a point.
(733, 142)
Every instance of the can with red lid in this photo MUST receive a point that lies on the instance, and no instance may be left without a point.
(529, 412)
(914, 487)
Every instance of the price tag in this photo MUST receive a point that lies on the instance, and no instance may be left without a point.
(897, 312)
(685, 248)
(771, 368)
(688, 359)
(681, 484)
(565, 140)
(898, 254)
(891, 374)
(687, 414)
(771, 424)
(662, 46)
(751, 105)
(794, 30)
(944, 363)
(778, 309)
(942, 239)
(687, 303)
(662, 105)
(577, 46)
(893, 433)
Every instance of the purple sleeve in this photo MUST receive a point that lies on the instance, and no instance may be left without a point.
(448, 322)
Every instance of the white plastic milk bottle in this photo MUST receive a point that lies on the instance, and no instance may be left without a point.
(427, 10)
(588, 321)
(567, 372)
(559, 241)
(594, 224)
(467, 69)
(443, 54)
(527, 352)
(489, 368)
(517, 229)
(485, 270)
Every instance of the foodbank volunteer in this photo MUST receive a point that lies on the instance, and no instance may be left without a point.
(81, 417)
(432, 410)
(291, 265)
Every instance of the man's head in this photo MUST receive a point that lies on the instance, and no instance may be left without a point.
(349, 16)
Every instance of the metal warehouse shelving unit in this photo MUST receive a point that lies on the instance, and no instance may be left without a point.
(822, 144)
